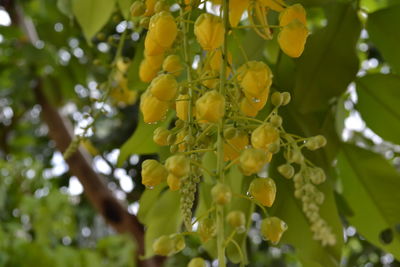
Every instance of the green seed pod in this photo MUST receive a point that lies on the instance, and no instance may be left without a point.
(137, 9)
(285, 98)
(276, 120)
(274, 147)
(173, 149)
(276, 99)
(163, 246)
(286, 170)
(221, 194)
(144, 22)
(161, 5)
(179, 242)
(171, 139)
(236, 219)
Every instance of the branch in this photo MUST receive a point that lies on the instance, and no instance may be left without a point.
(60, 130)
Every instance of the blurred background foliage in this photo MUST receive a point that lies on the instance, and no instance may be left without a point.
(345, 86)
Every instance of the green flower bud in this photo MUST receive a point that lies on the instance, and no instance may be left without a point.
(221, 194)
(286, 170)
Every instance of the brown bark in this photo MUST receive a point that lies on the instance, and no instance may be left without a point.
(60, 130)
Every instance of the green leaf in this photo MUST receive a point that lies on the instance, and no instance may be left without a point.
(164, 218)
(124, 6)
(92, 15)
(370, 186)
(329, 62)
(141, 142)
(374, 5)
(378, 103)
(384, 35)
(288, 208)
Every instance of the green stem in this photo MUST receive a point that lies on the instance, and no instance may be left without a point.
(220, 141)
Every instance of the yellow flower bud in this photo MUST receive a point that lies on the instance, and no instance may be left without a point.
(291, 13)
(182, 107)
(153, 110)
(164, 87)
(236, 219)
(276, 5)
(150, 4)
(197, 262)
(252, 160)
(147, 72)
(164, 27)
(179, 138)
(173, 182)
(292, 38)
(236, 9)
(137, 9)
(221, 194)
(272, 229)
(163, 246)
(160, 136)
(172, 64)
(206, 78)
(216, 60)
(263, 190)
(207, 229)
(151, 46)
(210, 107)
(255, 77)
(234, 146)
(153, 173)
(209, 31)
(263, 136)
(178, 165)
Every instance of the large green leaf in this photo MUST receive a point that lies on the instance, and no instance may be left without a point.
(141, 142)
(288, 208)
(384, 35)
(329, 62)
(164, 218)
(378, 103)
(374, 5)
(92, 15)
(370, 186)
(124, 6)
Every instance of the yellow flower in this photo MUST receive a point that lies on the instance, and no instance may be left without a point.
(178, 165)
(263, 190)
(210, 107)
(263, 136)
(209, 31)
(153, 173)
(164, 87)
(272, 229)
(247, 108)
(255, 77)
(292, 38)
(252, 160)
(276, 5)
(153, 110)
(234, 146)
(236, 9)
(147, 72)
(291, 13)
(160, 136)
(173, 182)
(207, 229)
(182, 107)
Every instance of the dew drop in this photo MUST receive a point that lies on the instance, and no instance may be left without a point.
(256, 100)
(150, 187)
